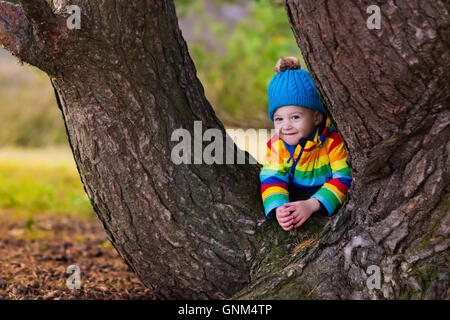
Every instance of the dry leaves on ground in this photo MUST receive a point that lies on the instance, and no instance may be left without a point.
(34, 259)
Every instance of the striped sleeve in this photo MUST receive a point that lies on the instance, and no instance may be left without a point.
(274, 182)
(334, 192)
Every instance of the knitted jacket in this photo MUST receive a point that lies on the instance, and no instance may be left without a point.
(317, 165)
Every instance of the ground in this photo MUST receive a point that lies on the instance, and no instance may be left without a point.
(35, 255)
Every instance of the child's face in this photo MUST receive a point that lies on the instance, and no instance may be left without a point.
(293, 123)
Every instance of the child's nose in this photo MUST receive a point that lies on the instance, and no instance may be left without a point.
(287, 125)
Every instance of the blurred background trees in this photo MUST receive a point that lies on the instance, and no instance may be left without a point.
(235, 45)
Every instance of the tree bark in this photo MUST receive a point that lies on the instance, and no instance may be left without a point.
(125, 82)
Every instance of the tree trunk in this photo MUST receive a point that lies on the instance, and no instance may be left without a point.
(125, 82)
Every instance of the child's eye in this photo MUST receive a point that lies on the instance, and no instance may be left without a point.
(295, 117)
(278, 119)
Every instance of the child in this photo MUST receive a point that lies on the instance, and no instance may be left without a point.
(306, 155)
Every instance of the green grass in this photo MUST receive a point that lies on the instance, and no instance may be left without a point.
(41, 181)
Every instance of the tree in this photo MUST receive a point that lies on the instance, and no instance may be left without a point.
(125, 82)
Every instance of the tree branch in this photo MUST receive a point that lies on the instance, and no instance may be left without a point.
(49, 30)
(32, 32)
(40, 15)
(15, 34)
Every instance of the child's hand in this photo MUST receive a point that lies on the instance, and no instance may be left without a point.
(284, 218)
(301, 210)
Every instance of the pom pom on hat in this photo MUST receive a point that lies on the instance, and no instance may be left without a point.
(287, 63)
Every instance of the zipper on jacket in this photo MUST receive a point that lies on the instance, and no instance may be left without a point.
(291, 172)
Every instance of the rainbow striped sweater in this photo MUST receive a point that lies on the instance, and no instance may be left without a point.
(317, 165)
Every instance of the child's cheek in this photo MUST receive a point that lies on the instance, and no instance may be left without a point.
(277, 129)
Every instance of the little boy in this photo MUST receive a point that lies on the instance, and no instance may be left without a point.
(306, 156)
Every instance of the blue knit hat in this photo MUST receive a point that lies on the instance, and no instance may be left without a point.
(292, 86)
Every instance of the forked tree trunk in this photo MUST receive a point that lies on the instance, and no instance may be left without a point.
(125, 82)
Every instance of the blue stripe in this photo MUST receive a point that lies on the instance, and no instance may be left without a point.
(346, 181)
(273, 179)
(272, 205)
(325, 203)
(315, 181)
(291, 150)
(338, 175)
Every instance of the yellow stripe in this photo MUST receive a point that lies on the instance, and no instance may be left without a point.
(316, 152)
(336, 191)
(274, 166)
(276, 160)
(339, 164)
(309, 166)
(273, 190)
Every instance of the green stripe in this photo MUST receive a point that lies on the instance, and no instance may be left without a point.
(271, 172)
(276, 196)
(317, 172)
(327, 194)
(345, 171)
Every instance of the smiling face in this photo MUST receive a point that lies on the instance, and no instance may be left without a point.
(293, 123)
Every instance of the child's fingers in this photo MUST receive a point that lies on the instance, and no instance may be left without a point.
(289, 207)
(297, 218)
(285, 219)
(288, 210)
(289, 204)
(286, 226)
(299, 223)
(283, 213)
(285, 223)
